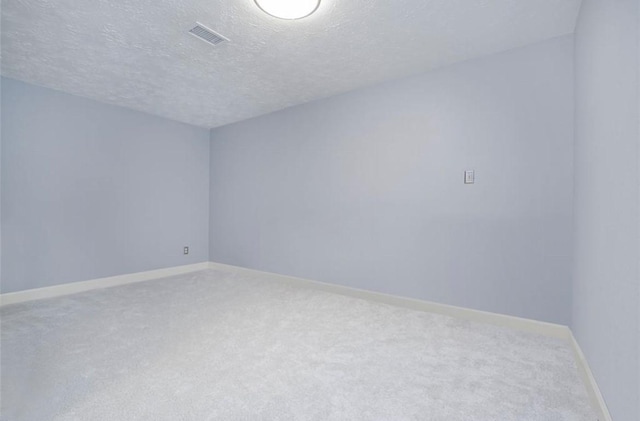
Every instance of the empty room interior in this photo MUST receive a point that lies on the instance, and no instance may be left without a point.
(320, 210)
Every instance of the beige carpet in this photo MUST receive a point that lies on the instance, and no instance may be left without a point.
(212, 345)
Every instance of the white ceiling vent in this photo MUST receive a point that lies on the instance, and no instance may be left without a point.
(207, 35)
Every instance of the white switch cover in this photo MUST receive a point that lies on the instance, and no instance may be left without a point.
(469, 177)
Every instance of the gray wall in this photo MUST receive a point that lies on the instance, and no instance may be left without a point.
(606, 301)
(366, 189)
(92, 190)
(0, 176)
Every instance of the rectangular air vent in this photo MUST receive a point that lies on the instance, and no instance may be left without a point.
(206, 34)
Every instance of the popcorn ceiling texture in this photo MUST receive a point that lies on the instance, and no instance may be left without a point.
(138, 54)
(220, 345)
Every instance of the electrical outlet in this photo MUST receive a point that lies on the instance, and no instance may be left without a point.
(186, 250)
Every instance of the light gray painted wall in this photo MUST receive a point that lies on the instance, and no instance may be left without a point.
(365, 189)
(1, 83)
(606, 286)
(92, 190)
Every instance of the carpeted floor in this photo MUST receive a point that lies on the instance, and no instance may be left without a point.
(213, 345)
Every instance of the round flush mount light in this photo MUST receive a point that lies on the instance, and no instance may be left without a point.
(288, 9)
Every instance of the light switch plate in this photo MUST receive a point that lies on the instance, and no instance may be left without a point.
(469, 177)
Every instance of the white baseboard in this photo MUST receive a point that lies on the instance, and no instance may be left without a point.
(74, 287)
(528, 325)
(522, 324)
(595, 395)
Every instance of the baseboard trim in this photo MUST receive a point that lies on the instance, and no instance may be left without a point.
(519, 323)
(589, 380)
(111, 281)
(528, 325)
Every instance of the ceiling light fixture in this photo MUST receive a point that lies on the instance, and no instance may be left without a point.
(288, 9)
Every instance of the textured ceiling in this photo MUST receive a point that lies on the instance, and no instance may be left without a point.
(138, 54)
